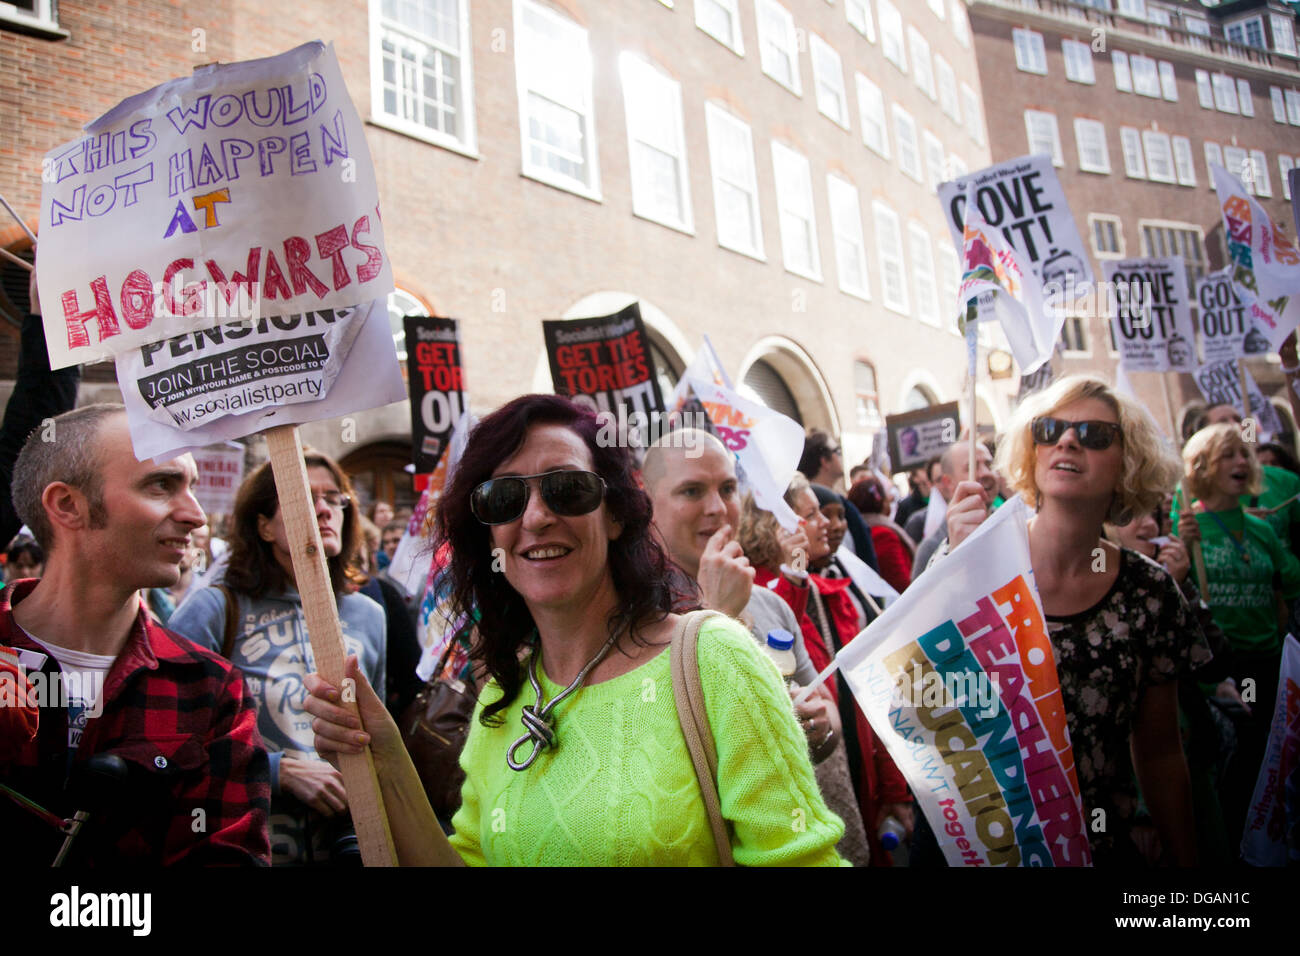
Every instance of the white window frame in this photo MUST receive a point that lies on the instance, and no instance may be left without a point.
(891, 34)
(1279, 104)
(632, 68)
(1095, 217)
(1146, 76)
(43, 19)
(960, 25)
(796, 163)
(1184, 161)
(587, 109)
(946, 80)
(924, 280)
(871, 114)
(1285, 164)
(1225, 93)
(1078, 62)
(1168, 81)
(1293, 107)
(1083, 130)
(858, 13)
(971, 108)
(1213, 156)
(732, 9)
(1031, 54)
(937, 8)
(922, 65)
(1134, 159)
(908, 142)
(1082, 319)
(1282, 24)
(1263, 181)
(1123, 73)
(828, 75)
(1204, 90)
(1244, 26)
(715, 116)
(380, 28)
(889, 250)
(948, 264)
(1058, 157)
(1159, 152)
(1244, 100)
(1235, 160)
(788, 44)
(935, 163)
(846, 227)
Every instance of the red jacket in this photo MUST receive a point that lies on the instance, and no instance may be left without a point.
(198, 784)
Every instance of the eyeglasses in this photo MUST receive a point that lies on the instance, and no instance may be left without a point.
(1091, 434)
(335, 499)
(566, 493)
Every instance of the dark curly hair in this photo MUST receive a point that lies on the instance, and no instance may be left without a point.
(869, 496)
(643, 577)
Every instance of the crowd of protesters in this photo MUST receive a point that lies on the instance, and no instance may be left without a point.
(577, 571)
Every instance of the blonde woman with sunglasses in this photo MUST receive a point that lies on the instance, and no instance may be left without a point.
(1122, 633)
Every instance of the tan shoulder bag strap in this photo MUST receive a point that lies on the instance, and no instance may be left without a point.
(688, 694)
(232, 621)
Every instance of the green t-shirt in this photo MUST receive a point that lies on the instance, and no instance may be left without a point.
(1240, 573)
(1279, 485)
(619, 788)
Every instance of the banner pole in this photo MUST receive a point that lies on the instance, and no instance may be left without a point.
(972, 329)
(17, 218)
(1169, 407)
(16, 261)
(311, 576)
(1245, 392)
(1198, 557)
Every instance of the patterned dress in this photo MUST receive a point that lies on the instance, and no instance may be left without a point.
(1141, 634)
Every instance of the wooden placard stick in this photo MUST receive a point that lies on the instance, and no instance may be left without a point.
(1245, 392)
(1169, 405)
(1198, 558)
(321, 612)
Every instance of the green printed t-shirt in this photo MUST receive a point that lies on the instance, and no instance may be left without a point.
(619, 788)
(1279, 485)
(1240, 575)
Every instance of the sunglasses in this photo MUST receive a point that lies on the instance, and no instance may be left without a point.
(1095, 435)
(566, 493)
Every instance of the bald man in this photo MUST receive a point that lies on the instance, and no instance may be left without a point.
(954, 468)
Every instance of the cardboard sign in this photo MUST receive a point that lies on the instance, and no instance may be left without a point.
(958, 681)
(1023, 201)
(369, 378)
(916, 437)
(1226, 329)
(238, 368)
(1220, 384)
(243, 190)
(221, 471)
(604, 363)
(1151, 314)
(437, 382)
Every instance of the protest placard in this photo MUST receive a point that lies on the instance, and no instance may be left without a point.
(1264, 841)
(958, 680)
(437, 383)
(221, 470)
(1265, 263)
(246, 190)
(1151, 314)
(1023, 201)
(369, 377)
(1220, 383)
(605, 364)
(238, 368)
(1227, 330)
(916, 437)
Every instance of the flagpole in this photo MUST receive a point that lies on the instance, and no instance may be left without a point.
(1198, 557)
(972, 329)
(1169, 408)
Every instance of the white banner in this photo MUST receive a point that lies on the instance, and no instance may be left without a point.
(1227, 329)
(1151, 314)
(1268, 824)
(370, 378)
(940, 675)
(221, 472)
(243, 190)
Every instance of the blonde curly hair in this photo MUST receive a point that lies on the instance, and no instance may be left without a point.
(1150, 465)
(1204, 450)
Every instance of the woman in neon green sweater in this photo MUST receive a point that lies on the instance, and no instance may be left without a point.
(551, 542)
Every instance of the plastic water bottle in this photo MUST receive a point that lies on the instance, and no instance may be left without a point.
(780, 647)
(891, 833)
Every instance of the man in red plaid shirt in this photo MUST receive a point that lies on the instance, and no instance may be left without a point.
(196, 788)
